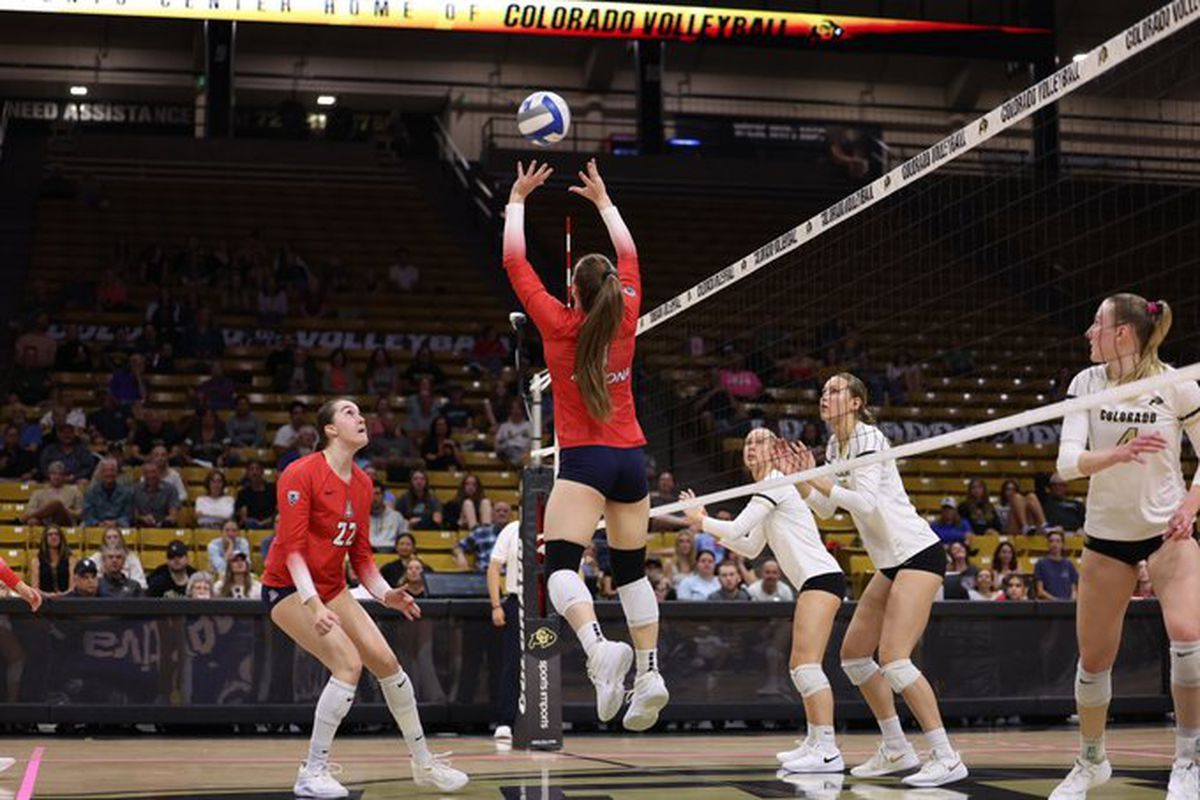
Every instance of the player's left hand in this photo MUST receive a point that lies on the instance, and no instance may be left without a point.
(694, 516)
(403, 602)
(593, 186)
(1182, 525)
(528, 179)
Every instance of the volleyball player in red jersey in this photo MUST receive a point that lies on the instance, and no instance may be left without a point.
(324, 515)
(601, 466)
(30, 595)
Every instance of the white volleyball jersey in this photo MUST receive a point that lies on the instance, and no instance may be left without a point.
(891, 529)
(779, 518)
(1130, 502)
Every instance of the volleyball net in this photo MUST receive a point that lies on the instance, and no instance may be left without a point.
(957, 284)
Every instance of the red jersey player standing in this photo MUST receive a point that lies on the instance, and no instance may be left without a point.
(30, 595)
(601, 466)
(324, 515)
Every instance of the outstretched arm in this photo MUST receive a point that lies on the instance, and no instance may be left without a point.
(593, 189)
(541, 305)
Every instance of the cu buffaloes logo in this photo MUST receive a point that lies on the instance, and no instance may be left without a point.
(542, 639)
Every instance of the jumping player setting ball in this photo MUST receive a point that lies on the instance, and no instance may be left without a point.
(324, 515)
(601, 466)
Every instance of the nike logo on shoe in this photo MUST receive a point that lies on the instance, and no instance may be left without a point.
(831, 759)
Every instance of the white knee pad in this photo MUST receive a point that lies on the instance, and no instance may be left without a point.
(567, 589)
(1185, 663)
(639, 603)
(859, 670)
(900, 674)
(1092, 689)
(809, 679)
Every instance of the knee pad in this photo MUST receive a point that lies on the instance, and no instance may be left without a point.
(561, 554)
(1185, 663)
(567, 589)
(859, 670)
(900, 674)
(809, 679)
(1092, 689)
(627, 565)
(638, 602)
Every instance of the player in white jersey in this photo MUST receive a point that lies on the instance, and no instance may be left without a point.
(894, 608)
(780, 519)
(1138, 507)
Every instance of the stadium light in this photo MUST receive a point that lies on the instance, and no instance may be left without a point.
(1078, 57)
(326, 100)
(79, 91)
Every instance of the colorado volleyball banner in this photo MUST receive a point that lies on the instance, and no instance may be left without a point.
(583, 18)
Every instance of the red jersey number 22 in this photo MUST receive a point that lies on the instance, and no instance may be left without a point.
(346, 533)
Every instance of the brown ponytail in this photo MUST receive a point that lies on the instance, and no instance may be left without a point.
(1150, 322)
(858, 389)
(599, 291)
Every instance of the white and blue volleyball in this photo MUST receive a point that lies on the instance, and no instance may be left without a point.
(544, 118)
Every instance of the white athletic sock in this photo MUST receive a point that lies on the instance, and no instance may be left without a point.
(402, 702)
(893, 734)
(1187, 743)
(590, 636)
(937, 741)
(821, 737)
(1092, 750)
(647, 661)
(332, 707)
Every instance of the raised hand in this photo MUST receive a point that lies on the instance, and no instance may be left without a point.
(528, 180)
(695, 516)
(593, 186)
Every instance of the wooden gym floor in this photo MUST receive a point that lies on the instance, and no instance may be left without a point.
(1005, 764)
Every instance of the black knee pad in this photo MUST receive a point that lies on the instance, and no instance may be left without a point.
(627, 565)
(561, 554)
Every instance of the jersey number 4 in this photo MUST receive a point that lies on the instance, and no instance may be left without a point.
(346, 533)
(1127, 437)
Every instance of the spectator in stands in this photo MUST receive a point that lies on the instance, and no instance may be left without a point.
(1004, 562)
(440, 450)
(128, 383)
(30, 383)
(168, 474)
(381, 418)
(1056, 577)
(801, 369)
(155, 504)
(706, 541)
(289, 432)
(255, 507)
(482, 539)
(306, 442)
(60, 503)
(470, 508)
(514, 437)
(386, 523)
(272, 303)
(162, 360)
(456, 411)
(1060, 383)
(960, 568)
(151, 432)
(59, 413)
(221, 549)
(114, 582)
(977, 509)
(664, 591)
(237, 581)
(281, 356)
(70, 451)
(1014, 589)
(904, 377)
(214, 508)
(406, 548)
(985, 586)
(115, 355)
(218, 389)
(30, 432)
(87, 580)
(38, 339)
(16, 462)
(730, 579)
(490, 353)
(382, 378)
(204, 340)
(110, 422)
(1145, 588)
(245, 428)
(71, 354)
(423, 368)
(682, 562)
(739, 381)
(769, 588)
(703, 581)
(207, 442)
(391, 451)
(715, 406)
(200, 586)
(338, 377)
(949, 526)
(112, 294)
(298, 376)
(402, 273)
(114, 538)
(419, 505)
(107, 502)
(52, 570)
(422, 409)
(171, 579)
(1062, 511)
(414, 578)
(495, 406)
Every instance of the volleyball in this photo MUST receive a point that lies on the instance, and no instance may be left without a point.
(544, 118)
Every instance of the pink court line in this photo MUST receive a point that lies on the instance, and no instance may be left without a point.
(31, 773)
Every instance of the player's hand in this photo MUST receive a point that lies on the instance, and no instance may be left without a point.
(694, 516)
(1182, 525)
(325, 620)
(403, 602)
(498, 616)
(528, 180)
(593, 186)
(1135, 447)
(792, 457)
(30, 595)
